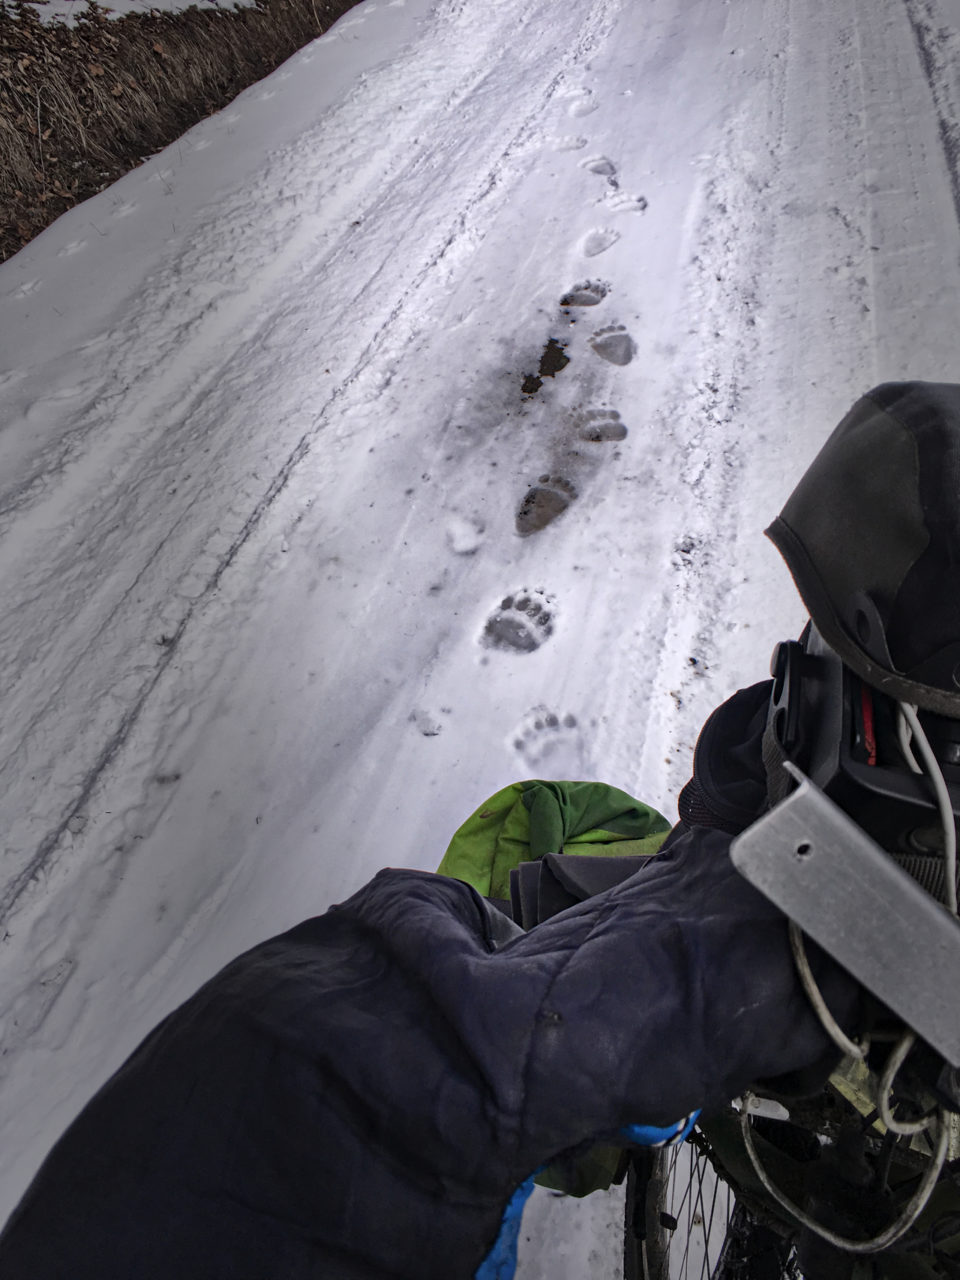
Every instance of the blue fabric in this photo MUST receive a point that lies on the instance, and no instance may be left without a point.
(651, 1135)
(203, 1155)
(501, 1262)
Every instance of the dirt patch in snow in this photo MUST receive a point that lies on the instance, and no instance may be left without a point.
(552, 361)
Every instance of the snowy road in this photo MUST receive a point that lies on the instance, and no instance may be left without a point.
(269, 411)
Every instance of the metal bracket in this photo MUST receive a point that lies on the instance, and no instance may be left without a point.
(823, 871)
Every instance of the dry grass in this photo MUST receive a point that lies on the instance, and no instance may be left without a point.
(81, 105)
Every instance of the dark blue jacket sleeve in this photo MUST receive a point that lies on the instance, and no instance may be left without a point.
(359, 1097)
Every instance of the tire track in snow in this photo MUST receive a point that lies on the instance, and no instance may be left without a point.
(700, 423)
(938, 49)
(166, 401)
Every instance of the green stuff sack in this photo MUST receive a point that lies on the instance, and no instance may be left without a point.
(523, 823)
(526, 820)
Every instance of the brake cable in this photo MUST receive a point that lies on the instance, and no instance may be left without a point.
(908, 727)
(907, 716)
(915, 1206)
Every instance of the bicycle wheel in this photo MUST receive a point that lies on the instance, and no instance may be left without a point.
(683, 1222)
(677, 1213)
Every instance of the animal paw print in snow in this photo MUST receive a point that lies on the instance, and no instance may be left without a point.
(587, 294)
(601, 426)
(520, 623)
(543, 733)
(543, 503)
(614, 344)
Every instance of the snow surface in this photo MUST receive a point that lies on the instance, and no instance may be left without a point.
(264, 440)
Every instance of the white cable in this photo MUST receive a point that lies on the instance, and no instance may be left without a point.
(912, 1211)
(906, 719)
(935, 774)
(833, 1029)
(904, 733)
(894, 1063)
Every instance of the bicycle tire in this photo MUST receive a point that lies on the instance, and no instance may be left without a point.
(676, 1215)
(683, 1221)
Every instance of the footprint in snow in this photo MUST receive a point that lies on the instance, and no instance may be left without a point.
(569, 142)
(70, 249)
(543, 503)
(464, 535)
(520, 623)
(620, 202)
(598, 241)
(583, 104)
(544, 737)
(600, 165)
(614, 344)
(426, 723)
(600, 426)
(587, 294)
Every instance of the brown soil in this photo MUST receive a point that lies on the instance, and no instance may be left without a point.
(551, 362)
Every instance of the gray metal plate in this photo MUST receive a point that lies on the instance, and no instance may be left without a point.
(825, 872)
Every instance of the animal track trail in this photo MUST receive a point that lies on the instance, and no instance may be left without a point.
(600, 426)
(544, 736)
(620, 202)
(614, 345)
(569, 142)
(602, 166)
(520, 623)
(543, 503)
(587, 294)
(584, 104)
(598, 241)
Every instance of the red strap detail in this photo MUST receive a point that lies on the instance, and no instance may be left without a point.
(869, 737)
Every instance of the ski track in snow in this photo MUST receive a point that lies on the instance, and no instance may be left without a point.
(431, 451)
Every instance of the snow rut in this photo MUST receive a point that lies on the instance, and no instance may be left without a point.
(938, 48)
(126, 519)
